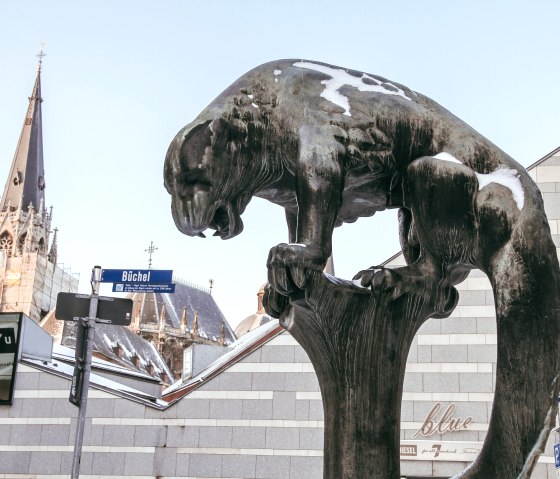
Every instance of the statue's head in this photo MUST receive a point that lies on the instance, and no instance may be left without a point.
(206, 174)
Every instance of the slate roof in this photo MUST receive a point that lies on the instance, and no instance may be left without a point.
(195, 299)
(106, 339)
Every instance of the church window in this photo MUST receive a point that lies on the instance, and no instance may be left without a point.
(6, 242)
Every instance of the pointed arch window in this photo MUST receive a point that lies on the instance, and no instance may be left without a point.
(6, 242)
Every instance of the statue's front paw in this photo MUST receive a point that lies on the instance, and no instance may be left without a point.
(287, 265)
(394, 283)
(381, 280)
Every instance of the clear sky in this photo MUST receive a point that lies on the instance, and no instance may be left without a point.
(122, 77)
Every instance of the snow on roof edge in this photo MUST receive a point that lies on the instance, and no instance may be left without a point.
(98, 382)
(239, 348)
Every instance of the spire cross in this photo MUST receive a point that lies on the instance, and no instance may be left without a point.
(150, 250)
(40, 55)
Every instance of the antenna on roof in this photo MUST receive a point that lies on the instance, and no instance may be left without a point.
(150, 250)
(211, 282)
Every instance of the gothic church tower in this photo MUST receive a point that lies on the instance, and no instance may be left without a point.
(29, 277)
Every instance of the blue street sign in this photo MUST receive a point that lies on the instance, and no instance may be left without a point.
(132, 276)
(143, 288)
(557, 455)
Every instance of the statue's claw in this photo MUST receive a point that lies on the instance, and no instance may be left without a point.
(366, 276)
(287, 267)
(394, 283)
(275, 304)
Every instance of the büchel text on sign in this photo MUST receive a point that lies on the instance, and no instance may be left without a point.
(129, 276)
(135, 277)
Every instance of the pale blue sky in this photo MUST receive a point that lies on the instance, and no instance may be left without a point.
(121, 78)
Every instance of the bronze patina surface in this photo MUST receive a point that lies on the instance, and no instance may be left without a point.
(331, 145)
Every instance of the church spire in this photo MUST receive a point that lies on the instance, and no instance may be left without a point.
(53, 252)
(26, 182)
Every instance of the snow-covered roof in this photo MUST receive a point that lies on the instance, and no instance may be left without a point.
(108, 337)
(67, 355)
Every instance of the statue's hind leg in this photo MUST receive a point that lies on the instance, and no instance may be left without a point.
(458, 227)
(438, 234)
(525, 276)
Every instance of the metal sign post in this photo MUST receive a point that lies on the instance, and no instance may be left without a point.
(76, 460)
(115, 311)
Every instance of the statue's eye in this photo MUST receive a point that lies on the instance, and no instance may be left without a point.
(195, 177)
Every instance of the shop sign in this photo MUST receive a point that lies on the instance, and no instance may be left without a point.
(439, 451)
(440, 424)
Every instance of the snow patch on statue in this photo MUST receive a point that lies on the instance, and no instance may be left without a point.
(340, 78)
(447, 157)
(504, 176)
(507, 177)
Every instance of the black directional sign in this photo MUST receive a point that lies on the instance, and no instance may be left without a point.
(72, 306)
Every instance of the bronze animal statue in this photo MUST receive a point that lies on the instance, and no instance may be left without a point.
(331, 145)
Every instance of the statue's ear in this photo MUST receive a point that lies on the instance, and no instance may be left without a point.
(219, 131)
(218, 126)
(197, 131)
(194, 142)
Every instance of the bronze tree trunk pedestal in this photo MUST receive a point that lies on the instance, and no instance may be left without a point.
(358, 343)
